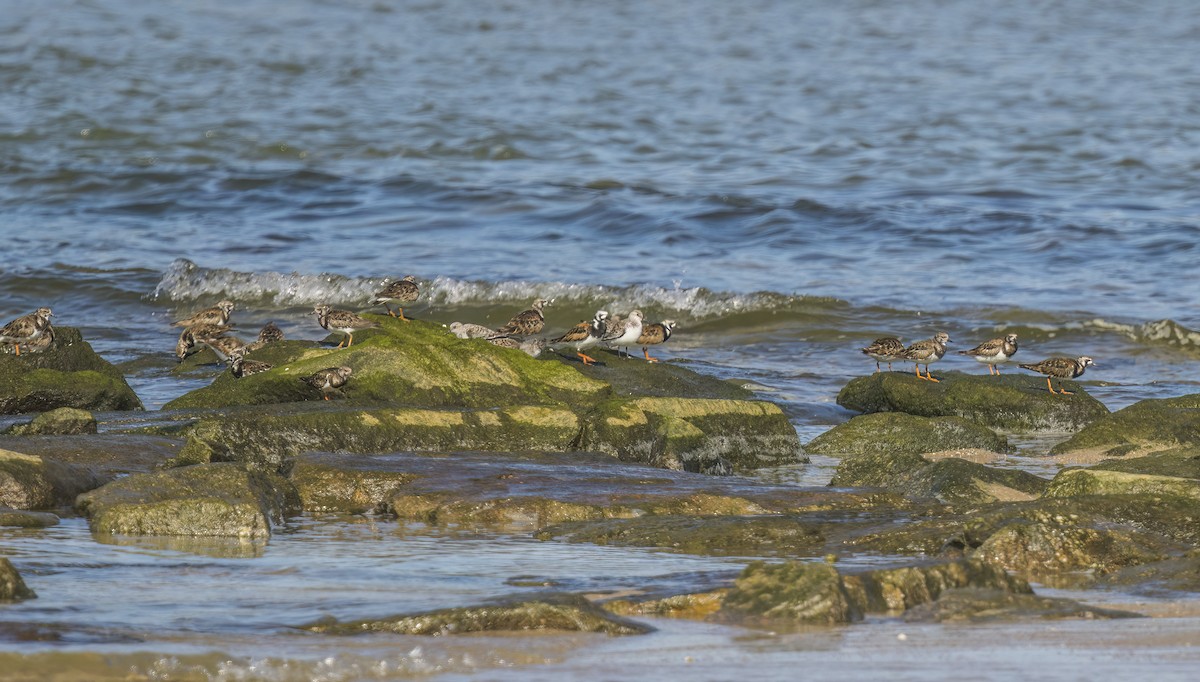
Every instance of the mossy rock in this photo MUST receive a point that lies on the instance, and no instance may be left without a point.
(12, 587)
(790, 593)
(905, 434)
(67, 374)
(64, 421)
(352, 484)
(1046, 549)
(202, 500)
(950, 480)
(552, 611)
(717, 436)
(32, 482)
(26, 519)
(980, 605)
(1010, 402)
(1162, 578)
(414, 363)
(709, 535)
(1074, 482)
(1178, 462)
(893, 590)
(697, 606)
(1143, 427)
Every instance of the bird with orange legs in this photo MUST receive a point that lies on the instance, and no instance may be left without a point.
(926, 353)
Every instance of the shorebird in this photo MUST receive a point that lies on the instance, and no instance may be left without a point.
(218, 314)
(585, 335)
(994, 352)
(401, 292)
(240, 367)
(26, 329)
(468, 330)
(1063, 368)
(342, 321)
(328, 380)
(533, 347)
(625, 332)
(887, 349)
(654, 334)
(927, 352)
(527, 322)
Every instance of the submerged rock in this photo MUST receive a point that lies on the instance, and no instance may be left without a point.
(950, 480)
(32, 482)
(1178, 462)
(1143, 427)
(64, 421)
(12, 587)
(1010, 402)
(27, 519)
(553, 611)
(713, 535)
(899, 433)
(67, 374)
(975, 605)
(204, 499)
(346, 483)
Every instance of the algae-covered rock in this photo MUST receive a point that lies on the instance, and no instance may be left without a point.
(206, 499)
(12, 587)
(1162, 578)
(67, 374)
(899, 589)
(414, 363)
(900, 433)
(552, 611)
(1145, 426)
(32, 482)
(1010, 402)
(716, 535)
(27, 519)
(1178, 462)
(1074, 482)
(345, 483)
(980, 605)
(693, 434)
(64, 421)
(696, 606)
(949, 480)
(793, 592)
(1041, 549)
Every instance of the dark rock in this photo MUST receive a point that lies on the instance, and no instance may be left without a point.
(12, 587)
(899, 589)
(64, 421)
(950, 480)
(989, 605)
(1143, 427)
(899, 433)
(346, 483)
(27, 519)
(1075, 482)
(1047, 549)
(791, 593)
(553, 611)
(32, 482)
(714, 535)
(1178, 462)
(1011, 402)
(67, 374)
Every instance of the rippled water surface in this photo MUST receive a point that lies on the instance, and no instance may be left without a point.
(787, 180)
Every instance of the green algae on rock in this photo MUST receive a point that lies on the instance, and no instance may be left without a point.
(900, 433)
(63, 421)
(549, 611)
(1074, 482)
(982, 605)
(791, 535)
(1178, 462)
(1011, 402)
(27, 519)
(950, 480)
(329, 482)
(33, 482)
(67, 374)
(1042, 549)
(12, 587)
(1143, 427)
(205, 499)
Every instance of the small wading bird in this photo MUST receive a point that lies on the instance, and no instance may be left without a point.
(218, 314)
(994, 352)
(26, 329)
(885, 349)
(926, 353)
(342, 321)
(401, 292)
(584, 335)
(470, 330)
(624, 332)
(1062, 368)
(328, 380)
(240, 367)
(527, 322)
(654, 334)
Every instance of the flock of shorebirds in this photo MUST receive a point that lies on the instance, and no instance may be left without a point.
(992, 353)
(211, 328)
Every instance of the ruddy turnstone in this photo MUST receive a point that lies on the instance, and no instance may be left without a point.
(240, 367)
(223, 346)
(654, 334)
(328, 380)
(533, 347)
(42, 341)
(887, 349)
(401, 292)
(1062, 368)
(585, 335)
(926, 353)
(342, 321)
(270, 333)
(25, 329)
(218, 314)
(191, 338)
(527, 322)
(625, 332)
(994, 352)
(469, 330)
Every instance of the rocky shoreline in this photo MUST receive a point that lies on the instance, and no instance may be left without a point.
(446, 431)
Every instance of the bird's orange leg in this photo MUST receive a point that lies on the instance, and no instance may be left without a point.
(647, 354)
(1063, 391)
(18, 346)
(402, 316)
(1050, 386)
(349, 340)
(930, 376)
(325, 396)
(587, 359)
(917, 368)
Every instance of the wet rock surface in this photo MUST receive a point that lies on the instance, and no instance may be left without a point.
(1143, 427)
(950, 480)
(67, 374)
(64, 421)
(12, 587)
(897, 433)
